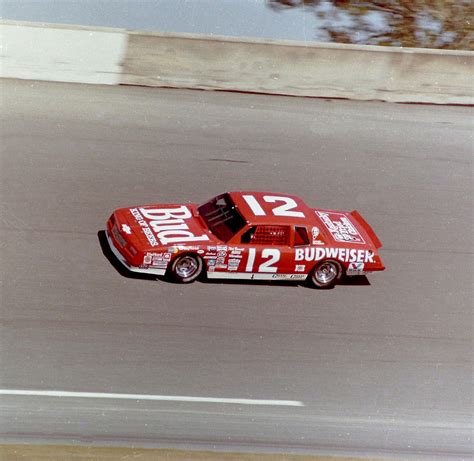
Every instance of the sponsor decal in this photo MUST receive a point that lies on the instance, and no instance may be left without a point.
(220, 261)
(342, 254)
(315, 235)
(340, 227)
(236, 252)
(221, 247)
(187, 247)
(212, 248)
(136, 214)
(355, 269)
(300, 268)
(168, 225)
(233, 264)
(157, 259)
(147, 259)
(200, 252)
(150, 237)
(211, 262)
(289, 276)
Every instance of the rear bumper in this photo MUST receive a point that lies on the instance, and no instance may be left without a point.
(125, 263)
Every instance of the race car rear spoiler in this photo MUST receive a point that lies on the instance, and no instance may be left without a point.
(370, 232)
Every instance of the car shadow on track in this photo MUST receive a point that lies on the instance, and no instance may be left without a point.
(123, 271)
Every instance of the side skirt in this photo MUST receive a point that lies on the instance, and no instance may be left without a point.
(255, 276)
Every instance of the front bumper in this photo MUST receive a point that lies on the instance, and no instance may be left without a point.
(125, 263)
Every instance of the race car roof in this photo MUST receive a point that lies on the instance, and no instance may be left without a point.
(272, 208)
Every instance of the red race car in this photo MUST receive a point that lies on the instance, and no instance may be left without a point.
(245, 235)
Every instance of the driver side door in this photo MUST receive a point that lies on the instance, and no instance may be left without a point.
(267, 251)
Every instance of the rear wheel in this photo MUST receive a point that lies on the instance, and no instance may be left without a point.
(325, 274)
(186, 268)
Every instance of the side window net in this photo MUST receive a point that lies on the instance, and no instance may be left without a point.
(267, 235)
(301, 236)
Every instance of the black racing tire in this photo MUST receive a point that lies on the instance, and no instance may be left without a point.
(325, 274)
(186, 268)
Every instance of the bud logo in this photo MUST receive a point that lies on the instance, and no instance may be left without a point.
(169, 224)
(342, 254)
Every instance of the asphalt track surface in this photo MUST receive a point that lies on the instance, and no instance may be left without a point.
(382, 367)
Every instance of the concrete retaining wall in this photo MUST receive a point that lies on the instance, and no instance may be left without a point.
(79, 54)
(61, 54)
(343, 71)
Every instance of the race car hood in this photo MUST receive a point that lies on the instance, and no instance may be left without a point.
(347, 228)
(149, 227)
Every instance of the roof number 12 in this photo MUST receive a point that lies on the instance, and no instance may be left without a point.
(283, 210)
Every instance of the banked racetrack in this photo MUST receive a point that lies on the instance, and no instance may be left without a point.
(378, 367)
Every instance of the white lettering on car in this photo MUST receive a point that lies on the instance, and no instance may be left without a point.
(289, 276)
(161, 214)
(168, 224)
(340, 226)
(267, 266)
(341, 254)
(250, 260)
(287, 209)
(150, 237)
(257, 210)
(136, 214)
(274, 256)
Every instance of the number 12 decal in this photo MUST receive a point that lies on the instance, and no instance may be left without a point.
(273, 256)
(283, 210)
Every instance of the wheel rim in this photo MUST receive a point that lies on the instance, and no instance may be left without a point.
(325, 273)
(186, 267)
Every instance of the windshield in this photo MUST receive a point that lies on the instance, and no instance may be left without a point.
(222, 217)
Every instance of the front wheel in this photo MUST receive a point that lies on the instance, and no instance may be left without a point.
(325, 275)
(186, 268)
